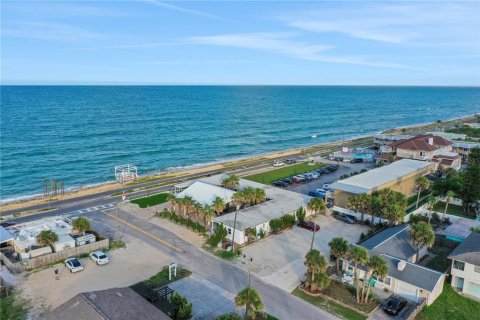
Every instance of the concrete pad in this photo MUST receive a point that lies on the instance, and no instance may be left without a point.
(208, 299)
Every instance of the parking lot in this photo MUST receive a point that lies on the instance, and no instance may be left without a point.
(279, 258)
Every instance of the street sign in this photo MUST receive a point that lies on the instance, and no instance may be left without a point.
(124, 196)
(172, 269)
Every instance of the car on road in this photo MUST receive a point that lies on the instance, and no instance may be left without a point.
(74, 265)
(278, 163)
(394, 305)
(99, 258)
(290, 161)
(310, 225)
(344, 218)
(357, 160)
(280, 184)
(8, 224)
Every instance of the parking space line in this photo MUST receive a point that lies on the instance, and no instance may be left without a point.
(145, 232)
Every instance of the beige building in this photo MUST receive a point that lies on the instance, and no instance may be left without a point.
(464, 148)
(399, 176)
(466, 266)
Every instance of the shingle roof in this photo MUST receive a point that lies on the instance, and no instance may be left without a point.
(421, 143)
(393, 241)
(469, 250)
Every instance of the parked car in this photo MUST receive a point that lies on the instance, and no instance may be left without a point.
(326, 187)
(394, 305)
(296, 179)
(7, 224)
(99, 258)
(299, 177)
(344, 218)
(310, 225)
(316, 194)
(280, 184)
(315, 175)
(287, 180)
(290, 161)
(74, 265)
(357, 160)
(278, 163)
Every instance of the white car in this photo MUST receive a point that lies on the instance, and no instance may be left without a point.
(99, 258)
(326, 187)
(278, 164)
(74, 265)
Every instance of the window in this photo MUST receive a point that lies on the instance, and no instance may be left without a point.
(229, 230)
(477, 269)
(387, 281)
(458, 265)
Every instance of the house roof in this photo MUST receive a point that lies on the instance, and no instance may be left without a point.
(466, 145)
(5, 235)
(364, 182)
(205, 193)
(420, 143)
(115, 304)
(393, 241)
(469, 250)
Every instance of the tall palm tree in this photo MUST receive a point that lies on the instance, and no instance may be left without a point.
(316, 263)
(238, 199)
(252, 301)
(249, 195)
(208, 213)
(421, 183)
(359, 256)
(231, 182)
(259, 195)
(316, 205)
(421, 234)
(197, 209)
(431, 202)
(218, 205)
(394, 214)
(450, 194)
(378, 267)
(339, 249)
(187, 205)
(173, 201)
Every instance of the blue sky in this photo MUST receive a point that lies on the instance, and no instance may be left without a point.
(241, 42)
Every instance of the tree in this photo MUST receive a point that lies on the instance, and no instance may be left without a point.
(239, 199)
(47, 238)
(218, 205)
(316, 205)
(359, 256)
(259, 195)
(421, 234)
(378, 267)
(422, 183)
(252, 301)
(316, 264)
(339, 249)
(173, 201)
(431, 202)
(231, 182)
(470, 189)
(229, 316)
(208, 213)
(187, 202)
(197, 209)
(182, 309)
(394, 214)
(450, 194)
(301, 214)
(81, 224)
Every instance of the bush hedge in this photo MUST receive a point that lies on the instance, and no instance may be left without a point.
(195, 226)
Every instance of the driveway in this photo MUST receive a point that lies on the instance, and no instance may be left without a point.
(278, 259)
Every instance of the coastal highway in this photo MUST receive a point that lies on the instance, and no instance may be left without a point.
(107, 197)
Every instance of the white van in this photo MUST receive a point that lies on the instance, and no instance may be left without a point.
(85, 239)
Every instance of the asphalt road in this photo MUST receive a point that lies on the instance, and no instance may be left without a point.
(228, 276)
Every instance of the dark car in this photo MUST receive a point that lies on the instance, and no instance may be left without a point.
(7, 224)
(280, 184)
(287, 180)
(357, 160)
(316, 194)
(309, 225)
(290, 161)
(344, 218)
(394, 305)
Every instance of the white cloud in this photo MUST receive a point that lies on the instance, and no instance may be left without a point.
(50, 31)
(181, 9)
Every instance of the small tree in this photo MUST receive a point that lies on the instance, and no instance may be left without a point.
(81, 224)
(252, 301)
(219, 234)
(450, 194)
(301, 214)
(208, 213)
(229, 316)
(421, 234)
(339, 248)
(47, 238)
(218, 205)
(182, 309)
(431, 202)
(251, 234)
(359, 256)
(422, 183)
(378, 267)
(316, 205)
(316, 264)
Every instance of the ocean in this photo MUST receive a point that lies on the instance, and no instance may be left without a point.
(79, 133)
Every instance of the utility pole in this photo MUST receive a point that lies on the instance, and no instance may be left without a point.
(233, 235)
(313, 235)
(248, 297)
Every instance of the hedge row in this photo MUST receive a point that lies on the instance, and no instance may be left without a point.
(180, 220)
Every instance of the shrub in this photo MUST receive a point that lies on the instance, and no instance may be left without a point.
(261, 233)
(288, 220)
(81, 224)
(47, 238)
(229, 316)
(217, 236)
(301, 214)
(275, 224)
(182, 309)
(363, 170)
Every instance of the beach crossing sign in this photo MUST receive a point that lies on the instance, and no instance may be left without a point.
(124, 196)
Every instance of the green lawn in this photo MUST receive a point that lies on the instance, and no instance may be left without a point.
(440, 262)
(11, 307)
(329, 306)
(284, 172)
(450, 306)
(452, 209)
(150, 201)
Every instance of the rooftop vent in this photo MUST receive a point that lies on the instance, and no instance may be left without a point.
(430, 141)
(401, 265)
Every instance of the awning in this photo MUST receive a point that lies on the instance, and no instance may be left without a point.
(5, 235)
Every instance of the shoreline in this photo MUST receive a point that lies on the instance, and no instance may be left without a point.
(30, 200)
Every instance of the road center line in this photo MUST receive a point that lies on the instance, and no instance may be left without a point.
(145, 233)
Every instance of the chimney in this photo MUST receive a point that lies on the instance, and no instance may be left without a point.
(401, 265)
(430, 141)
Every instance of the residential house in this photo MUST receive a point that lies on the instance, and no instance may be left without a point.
(466, 266)
(380, 140)
(464, 148)
(404, 278)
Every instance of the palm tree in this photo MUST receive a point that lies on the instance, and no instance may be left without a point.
(231, 182)
(394, 214)
(378, 267)
(316, 263)
(421, 234)
(208, 213)
(431, 202)
(252, 301)
(339, 249)
(259, 195)
(359, 256)
(47, 238)
(187, 205)
(197, 207)
(173, 201)
(450, 194)
(316, 205)
(238, 199)
(81, 224)
(422, 183)
(218, 205)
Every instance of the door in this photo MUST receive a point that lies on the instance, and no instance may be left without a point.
(473, 289)
(460, 283)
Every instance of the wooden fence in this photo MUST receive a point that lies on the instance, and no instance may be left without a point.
(41, 261)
